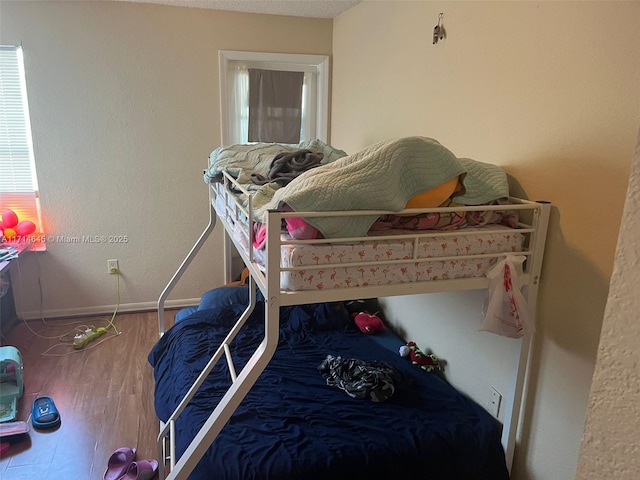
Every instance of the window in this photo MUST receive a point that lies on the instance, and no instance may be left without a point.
(275, 106)
(18, 182)
(234, 91)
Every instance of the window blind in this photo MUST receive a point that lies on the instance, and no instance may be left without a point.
(18, 182)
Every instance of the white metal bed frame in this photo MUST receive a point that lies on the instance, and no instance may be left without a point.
(269, 285)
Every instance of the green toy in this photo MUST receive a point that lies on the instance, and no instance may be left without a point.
(11, 382)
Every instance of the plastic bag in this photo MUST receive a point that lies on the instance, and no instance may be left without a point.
(506, 310)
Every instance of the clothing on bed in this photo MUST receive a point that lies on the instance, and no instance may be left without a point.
(288, 165)
(374, 381)
(292, 425)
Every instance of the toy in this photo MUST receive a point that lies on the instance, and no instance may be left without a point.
(428, 362)
(11, 228)
(11, 382)
(244, 279)
(368, 323)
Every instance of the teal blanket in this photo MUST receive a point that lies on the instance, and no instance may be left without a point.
(383, 176)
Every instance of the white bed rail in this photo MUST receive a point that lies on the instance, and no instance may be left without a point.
(240, 220)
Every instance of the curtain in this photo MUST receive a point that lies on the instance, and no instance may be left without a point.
(275, 106)
(238, 104)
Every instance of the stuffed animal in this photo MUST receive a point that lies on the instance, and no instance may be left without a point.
(428, 362)
(243, 281)
(368, 323)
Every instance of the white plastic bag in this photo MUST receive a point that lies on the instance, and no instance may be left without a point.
(506, 311)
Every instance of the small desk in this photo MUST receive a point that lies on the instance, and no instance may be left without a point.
(8, 315)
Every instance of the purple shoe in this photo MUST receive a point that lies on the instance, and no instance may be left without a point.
(141, 470)
(119, 463)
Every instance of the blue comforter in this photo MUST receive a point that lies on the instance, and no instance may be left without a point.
(292, 425)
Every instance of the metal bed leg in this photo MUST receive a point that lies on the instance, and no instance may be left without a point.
(514, 407)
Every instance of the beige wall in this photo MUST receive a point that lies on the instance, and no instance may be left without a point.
(551, 92)
(125, 111)
(610, 447)
(124, 105)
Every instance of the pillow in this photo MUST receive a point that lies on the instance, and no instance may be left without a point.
(316, 317)
(184, 313)
(228, 295)
(434, 197)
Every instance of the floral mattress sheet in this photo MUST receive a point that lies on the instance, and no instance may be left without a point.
(325, 270)
(324, 259)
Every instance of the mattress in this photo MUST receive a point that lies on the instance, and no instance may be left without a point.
(324, 260)
(325, 270)
(294, 425)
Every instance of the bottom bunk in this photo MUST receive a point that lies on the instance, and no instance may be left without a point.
(299, 422)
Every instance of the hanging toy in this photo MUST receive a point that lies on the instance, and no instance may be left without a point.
(438, 31)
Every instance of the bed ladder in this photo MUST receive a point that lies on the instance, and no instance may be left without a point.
(242, 382)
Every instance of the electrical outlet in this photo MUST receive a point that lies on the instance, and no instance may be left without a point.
(493, 405)
(113, 266)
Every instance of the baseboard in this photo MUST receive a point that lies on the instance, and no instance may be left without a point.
(106, 309)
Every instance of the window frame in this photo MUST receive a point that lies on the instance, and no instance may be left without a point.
(318, 64)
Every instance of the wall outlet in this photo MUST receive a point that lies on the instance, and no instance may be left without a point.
(493, 405)
(113, 266)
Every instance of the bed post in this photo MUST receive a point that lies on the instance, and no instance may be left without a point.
(512, 415)
(228, 258)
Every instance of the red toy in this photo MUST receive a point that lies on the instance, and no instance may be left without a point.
(428, 362)
(368, 323)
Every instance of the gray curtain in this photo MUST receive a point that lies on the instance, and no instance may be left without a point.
(275, 106)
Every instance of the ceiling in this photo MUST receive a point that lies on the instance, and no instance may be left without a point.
(295, 8)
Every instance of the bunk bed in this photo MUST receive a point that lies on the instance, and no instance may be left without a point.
(337, 258)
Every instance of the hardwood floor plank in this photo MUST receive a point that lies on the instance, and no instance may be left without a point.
(104, 393)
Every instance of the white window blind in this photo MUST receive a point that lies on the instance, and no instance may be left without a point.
(18, 182)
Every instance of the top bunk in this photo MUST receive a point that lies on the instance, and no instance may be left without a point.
(400, 217)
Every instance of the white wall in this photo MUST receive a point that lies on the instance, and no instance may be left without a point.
(610, 447)
(551, 92)
(125, 110)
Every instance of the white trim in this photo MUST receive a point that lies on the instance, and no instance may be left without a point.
(283, 61)
(106, 309)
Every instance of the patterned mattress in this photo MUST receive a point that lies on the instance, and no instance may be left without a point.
(326, 267)
(324, 260)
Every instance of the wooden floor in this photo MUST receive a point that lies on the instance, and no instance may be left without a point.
(104, 394)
